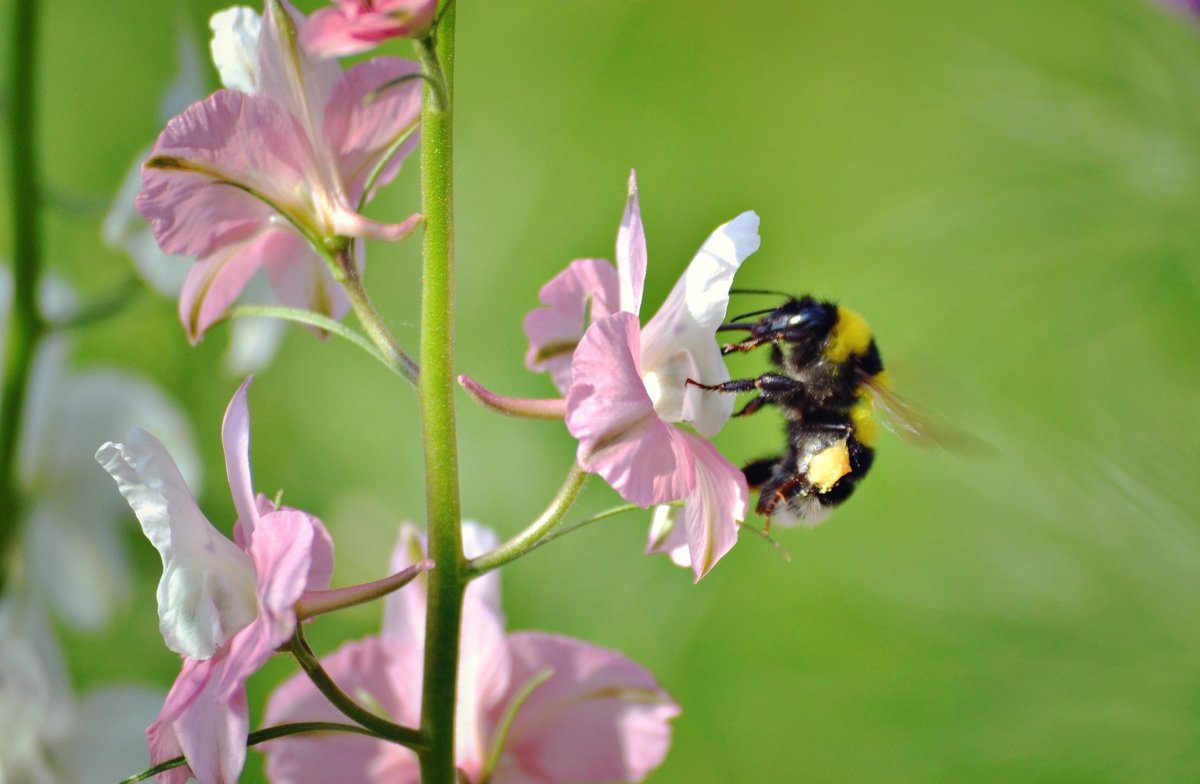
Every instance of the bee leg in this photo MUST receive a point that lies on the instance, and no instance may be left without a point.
(751, 407)
(782, 493)
(771, 387)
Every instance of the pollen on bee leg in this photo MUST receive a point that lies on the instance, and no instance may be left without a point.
(829, 465)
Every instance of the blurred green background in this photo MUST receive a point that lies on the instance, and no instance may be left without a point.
(1009, 193)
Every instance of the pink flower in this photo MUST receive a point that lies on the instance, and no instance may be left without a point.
(582, 713)
(354, 26)
(226, 607)
(270, 178)
(626, 384)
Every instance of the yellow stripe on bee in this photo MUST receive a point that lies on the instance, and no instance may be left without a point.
(850, 335)
(828, 466)
(866, 426)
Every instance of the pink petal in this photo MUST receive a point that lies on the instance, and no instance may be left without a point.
(599, 717)
(380, 668)
(608, 410)
(300, 278)
(287, 74)
(712, 511)
(235, 436)
(204, 722)
(586, 291)
(214, 282)
(631, 251)
(233, 137)
(361, 127)
(282, 548)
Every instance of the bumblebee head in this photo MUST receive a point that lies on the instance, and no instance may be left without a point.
(812, 330)
(803, 321)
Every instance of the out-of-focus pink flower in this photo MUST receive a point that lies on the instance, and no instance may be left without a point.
(588, 714)
(244, 180)
(226, 607)
(1192, 6)
(626, 384)
(354, 26)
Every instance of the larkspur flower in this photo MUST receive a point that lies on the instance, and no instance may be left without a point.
(226, 606)
(355, 26)
(582, 713)
(253, 342)
(274, 178)
(626, 388)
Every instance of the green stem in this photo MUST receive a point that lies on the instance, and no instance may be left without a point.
(532, 536)
(372, 322)
(255, 738)
(436, 393)
(25, 326)
(377, 725)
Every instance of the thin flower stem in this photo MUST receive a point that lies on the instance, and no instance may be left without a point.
(257, 737)
(435, 390)
(506, 721)
(372, 322)
(538, 530)
(311, 319)
(25, 327)
(378, 725)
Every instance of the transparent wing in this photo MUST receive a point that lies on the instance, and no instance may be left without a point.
(917, 427)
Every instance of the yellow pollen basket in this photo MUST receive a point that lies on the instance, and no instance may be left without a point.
(828, 466)
(850, 335)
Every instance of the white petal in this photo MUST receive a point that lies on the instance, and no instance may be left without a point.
(188, 86)
(688, 322)
(235, 47)
(206, 594)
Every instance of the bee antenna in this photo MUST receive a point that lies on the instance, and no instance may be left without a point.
(753, 313)
(772, 292)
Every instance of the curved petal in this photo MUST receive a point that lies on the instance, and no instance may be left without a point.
(379, 668)
(599, 717)
(631, 252)
(609, 411)
(483, 661)
(586, 291)
(361, 125)
(235, 46)
(689, 318)
(214, 282)
(202, 724)
(194, 187)
(667, 535)
(207, 589)
(712, 511)
(235, 437)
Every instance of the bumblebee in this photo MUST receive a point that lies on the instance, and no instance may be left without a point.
(829, 382)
